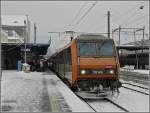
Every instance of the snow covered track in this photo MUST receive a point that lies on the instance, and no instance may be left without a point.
(127, 101)
(136, 90)
(131, 100)
(135, 77)
(90, 106)
(137, 86)
(136, 80)
(124, 109)
(103, 104)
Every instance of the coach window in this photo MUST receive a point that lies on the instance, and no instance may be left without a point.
(68, 56)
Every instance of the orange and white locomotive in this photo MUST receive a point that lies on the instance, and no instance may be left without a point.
(88, 61)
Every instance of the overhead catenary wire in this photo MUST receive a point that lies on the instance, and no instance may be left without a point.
(130, 11)
(115, 18)
(101, 26)
(135, 15)
(78, 13)
(82, 17)
(130, 15)
(122, 32)
(136, 20)
(63, 3)
(133, 20)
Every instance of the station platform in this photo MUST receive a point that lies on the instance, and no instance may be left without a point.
(38, 92)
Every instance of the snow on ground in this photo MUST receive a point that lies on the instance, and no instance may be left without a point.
(131, 82)
(104, 106)
(45, 92)
(38, 92)
(136, 88)
(141, 71)
(135, 70)
(132, 101)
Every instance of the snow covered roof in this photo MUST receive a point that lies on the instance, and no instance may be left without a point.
(13, 20)
(145, 42)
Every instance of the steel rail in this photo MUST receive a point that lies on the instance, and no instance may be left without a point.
(135, 90)
(107, 99)
(122, 108)
(136, 86)
(136, 80)
(87, 103)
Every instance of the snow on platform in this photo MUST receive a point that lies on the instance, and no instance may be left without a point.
(38, 92)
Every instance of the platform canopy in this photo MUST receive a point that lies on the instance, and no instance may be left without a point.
(136, 45)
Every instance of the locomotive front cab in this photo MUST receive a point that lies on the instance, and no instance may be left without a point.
(97, 62)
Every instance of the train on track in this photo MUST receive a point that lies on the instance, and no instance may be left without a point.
(87, 63)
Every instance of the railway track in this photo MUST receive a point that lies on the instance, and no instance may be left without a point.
(135, 90)
(99, 104)
(136, 85)
(89, 105)
(102, 100)
(124, 109)
(144, 82)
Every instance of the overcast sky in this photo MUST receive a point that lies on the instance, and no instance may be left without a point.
(63, 15)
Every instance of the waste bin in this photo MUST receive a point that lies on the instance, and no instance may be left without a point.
(26, 68)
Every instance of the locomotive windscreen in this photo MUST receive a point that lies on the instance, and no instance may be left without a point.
(96, 49)
(87, 49)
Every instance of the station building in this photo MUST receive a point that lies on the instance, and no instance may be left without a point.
(12, 53)
(15, 29)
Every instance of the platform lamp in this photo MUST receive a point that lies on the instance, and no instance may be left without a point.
(25, 36)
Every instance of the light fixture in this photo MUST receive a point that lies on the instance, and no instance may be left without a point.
(111, 71)
(83, 72)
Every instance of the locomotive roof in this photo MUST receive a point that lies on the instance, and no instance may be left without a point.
(91, 37)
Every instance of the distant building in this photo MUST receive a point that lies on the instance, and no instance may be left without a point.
(135, 54)
(15, 28)
(4, 37)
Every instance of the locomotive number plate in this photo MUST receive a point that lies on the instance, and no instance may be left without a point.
(97, 72)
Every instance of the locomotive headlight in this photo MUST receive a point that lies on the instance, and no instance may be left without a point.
(83, 72)
(111, 71)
